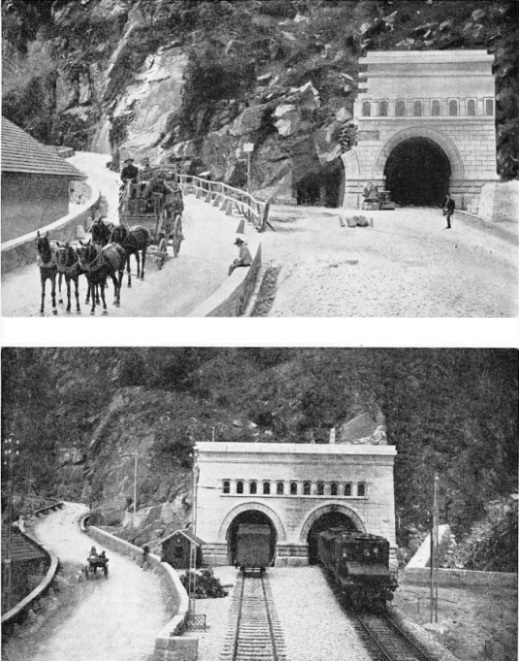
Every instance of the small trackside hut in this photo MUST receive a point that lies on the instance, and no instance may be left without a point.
(176, 549)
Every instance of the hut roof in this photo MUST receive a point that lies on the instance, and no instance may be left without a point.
(185, 533)
(22, 546)
(23, 154)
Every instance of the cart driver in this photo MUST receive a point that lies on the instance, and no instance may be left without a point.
(130, 173)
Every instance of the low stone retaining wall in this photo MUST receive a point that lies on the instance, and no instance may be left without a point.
(18, 612)
(458, 578)
(232, 297)
(22, 250)
(169, 646)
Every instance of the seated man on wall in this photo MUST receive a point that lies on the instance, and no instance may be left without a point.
(244, 256)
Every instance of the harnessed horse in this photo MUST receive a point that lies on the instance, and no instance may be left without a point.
(48, 268)
(133, 240)
(99, 263)
(101, 231)
(68, 266)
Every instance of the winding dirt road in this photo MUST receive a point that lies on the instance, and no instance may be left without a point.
(118, 619)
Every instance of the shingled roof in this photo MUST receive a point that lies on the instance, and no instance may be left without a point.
(184, 533)
(23, 154)
(22, 546)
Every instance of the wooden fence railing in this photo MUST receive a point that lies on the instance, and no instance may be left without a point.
(228, 199)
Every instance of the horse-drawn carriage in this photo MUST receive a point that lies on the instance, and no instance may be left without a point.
(95, 562)
(156, 205)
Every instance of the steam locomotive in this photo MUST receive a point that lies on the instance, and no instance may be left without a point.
(359, 565)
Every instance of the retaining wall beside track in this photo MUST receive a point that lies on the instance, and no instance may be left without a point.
(168, 645)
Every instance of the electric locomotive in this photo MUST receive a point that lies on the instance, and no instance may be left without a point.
(359, 565)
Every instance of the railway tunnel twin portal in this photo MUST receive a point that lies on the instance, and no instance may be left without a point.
(297, 490)
(426, 127)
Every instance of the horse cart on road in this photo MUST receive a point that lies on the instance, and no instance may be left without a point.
(156, 206)
(94, 563)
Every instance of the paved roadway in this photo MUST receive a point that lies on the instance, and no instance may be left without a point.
(183, 283)
(407, 265)
(118, 618)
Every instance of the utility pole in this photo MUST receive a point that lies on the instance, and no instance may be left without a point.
(135, 490)
(192, 555)
(248, 148)
(11, 452)
(434, 547)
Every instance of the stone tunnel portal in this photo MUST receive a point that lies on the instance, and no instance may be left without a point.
(324, 188)
(418, 173)
(252, 517)
(328, 520)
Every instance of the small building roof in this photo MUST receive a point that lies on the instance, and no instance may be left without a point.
(22, 154)
(185, 533)
(22, 546)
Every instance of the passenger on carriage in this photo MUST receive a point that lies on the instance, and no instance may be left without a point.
(130, 173)
(145, 175)
(157, 185)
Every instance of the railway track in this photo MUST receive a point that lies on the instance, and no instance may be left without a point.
(385, 641)
(253, 633)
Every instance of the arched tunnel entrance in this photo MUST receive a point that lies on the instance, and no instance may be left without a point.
(251, 517)
(324, 188)
(418, 173)
(328, 520)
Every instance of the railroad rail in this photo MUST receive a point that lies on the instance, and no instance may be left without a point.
(385, 641)
(254, 632)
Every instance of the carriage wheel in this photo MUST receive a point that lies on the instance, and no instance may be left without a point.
(105, 569)
(162, 253)
(86, 572)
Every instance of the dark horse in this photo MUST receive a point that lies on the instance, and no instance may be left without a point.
(134, 240)
(99, 263)
(101, 231)
(48, 268)
(68, 266)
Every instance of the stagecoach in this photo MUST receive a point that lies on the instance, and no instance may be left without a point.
(160, 215)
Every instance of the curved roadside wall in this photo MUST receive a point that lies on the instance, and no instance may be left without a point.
(232, 297)
(20, 610)
(22, 250)
(169, 645)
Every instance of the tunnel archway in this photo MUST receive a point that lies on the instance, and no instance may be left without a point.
(418, 172)
(250, 517)
(327, 520)
(324, 188)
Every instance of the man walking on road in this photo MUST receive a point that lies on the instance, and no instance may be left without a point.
(448, 210)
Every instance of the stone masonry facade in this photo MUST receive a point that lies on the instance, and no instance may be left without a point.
(447, 97)
(293, 485)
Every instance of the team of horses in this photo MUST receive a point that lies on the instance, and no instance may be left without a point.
(104, 256)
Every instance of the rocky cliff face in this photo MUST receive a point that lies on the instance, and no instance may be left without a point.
(192, 82)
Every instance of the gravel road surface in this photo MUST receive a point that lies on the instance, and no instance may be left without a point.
(407, 265)
(118, 619)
